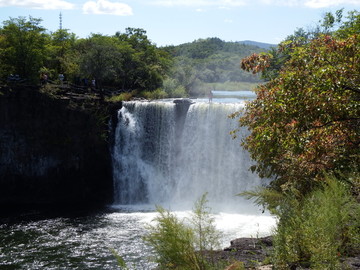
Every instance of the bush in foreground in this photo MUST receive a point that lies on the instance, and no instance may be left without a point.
(181, 244)
(317, 230)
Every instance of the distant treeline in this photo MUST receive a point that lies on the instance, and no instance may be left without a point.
(125, 61)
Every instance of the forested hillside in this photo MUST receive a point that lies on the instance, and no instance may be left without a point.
(266, 46)
(208, 64)
(125, 62)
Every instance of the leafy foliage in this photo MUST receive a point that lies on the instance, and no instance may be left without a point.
(58, 47)
(206, 235)
(180, 244)
(172, 242)
(319, 234)
(305, 125)
(127, 61)
(306, 121)
(316, 229)
(146, 66)
(349, 27)
(277, 57)
(98, 58)
(22, 47)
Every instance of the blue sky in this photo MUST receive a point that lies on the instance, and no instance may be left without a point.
(172, 22)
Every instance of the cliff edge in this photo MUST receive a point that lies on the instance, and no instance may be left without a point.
(53, 151)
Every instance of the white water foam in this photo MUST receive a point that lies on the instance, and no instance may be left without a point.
(163, 157)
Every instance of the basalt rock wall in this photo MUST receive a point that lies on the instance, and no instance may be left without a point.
(52, 150)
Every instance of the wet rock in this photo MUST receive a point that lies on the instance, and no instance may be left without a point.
(183, 101)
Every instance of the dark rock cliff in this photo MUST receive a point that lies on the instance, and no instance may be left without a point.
(52, 150)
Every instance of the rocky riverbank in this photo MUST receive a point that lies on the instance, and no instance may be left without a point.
(249, 252)
(253, 253)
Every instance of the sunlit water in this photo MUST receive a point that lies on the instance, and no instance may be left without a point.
(85, 242)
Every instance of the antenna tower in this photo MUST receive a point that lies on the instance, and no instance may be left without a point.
(60, 17)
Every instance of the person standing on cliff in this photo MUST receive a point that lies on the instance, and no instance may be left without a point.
(93, 84)
(61, 78)
(210, 96)
(44, 79)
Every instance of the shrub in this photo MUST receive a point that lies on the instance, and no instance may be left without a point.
(330, 222)
(316, 229)
(121, 97)
(181, 244)
(172, 242)
(179, 92)
(320, 228)
(173, 89)
(157, 94)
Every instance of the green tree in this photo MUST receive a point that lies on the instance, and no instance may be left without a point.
(305, 125)
(351, 26)
(61, 45)
(277, 57)
(306, 121)
(125, 67)
(203, 63)
(146, 66)
(97, 60)
(22, 47)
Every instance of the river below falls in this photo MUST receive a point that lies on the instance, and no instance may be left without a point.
(85, 241)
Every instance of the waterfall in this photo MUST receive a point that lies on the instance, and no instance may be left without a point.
(171, 156)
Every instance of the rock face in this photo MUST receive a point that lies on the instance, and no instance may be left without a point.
(51, 152)
(244, 252)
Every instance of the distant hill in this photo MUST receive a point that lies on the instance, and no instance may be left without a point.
(262, 45)
(204, 48)
(205, 62)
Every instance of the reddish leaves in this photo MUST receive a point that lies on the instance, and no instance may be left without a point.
(307, 120)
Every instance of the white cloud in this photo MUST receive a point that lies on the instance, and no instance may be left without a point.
(38, 4)
(289, 3)
(233, 3)
(107, 7)
(311, 3)
(199, 3)
(329, 3)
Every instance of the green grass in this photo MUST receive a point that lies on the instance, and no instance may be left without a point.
(232, 86)
(202, 90)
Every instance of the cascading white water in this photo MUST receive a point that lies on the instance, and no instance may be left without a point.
(163, 155)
